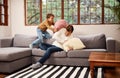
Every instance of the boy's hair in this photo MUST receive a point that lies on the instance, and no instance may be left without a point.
(49, 15)
(70, 28)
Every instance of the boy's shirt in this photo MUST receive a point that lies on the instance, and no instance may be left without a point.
(60, 38)
(45, 25)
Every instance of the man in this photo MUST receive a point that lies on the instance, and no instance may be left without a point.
(61, 37)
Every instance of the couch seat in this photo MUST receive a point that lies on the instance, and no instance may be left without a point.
(14, 53)
(83, 53)
(39, 52)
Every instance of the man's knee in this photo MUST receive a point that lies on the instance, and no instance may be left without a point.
(49, 50)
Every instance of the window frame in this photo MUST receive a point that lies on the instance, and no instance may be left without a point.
(62, 13)
(5, 15)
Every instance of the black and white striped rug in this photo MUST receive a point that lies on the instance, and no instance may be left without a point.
(50, 71)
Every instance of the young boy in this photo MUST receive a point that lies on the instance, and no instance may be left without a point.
(41, 30)
(64, 34)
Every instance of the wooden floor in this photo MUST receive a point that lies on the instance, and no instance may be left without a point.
(2, 75)
(112, 72)
(108, 73)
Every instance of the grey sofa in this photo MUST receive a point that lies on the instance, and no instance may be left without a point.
(15, 54)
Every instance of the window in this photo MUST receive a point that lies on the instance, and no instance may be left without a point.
(3, 12)
(51, 6)
(32, 12)
(73, 11)
(90, 11)
(109, 16)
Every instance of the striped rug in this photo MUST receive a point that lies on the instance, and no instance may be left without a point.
(51, 71)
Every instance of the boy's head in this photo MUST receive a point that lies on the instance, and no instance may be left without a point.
(50, 17)
(69, 30)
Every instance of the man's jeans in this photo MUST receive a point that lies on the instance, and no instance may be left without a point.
(41, 35)
(49, 50)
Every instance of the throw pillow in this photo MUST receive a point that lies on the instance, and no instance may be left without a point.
(60, 24)
(74, 43)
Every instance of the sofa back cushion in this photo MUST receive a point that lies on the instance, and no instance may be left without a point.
(21, 40)
(96, 41)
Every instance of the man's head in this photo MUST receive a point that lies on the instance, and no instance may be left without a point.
(69, 30)
(50, 17)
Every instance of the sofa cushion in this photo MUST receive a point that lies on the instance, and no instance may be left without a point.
(14, 53)
(97, 41)
(6, 42)
(21, 40)
(83, 53)
(39, 52)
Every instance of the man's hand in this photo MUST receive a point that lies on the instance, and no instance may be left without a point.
(70, 48)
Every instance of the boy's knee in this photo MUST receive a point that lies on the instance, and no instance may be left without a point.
(40, 40)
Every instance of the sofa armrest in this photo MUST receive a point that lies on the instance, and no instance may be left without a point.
(110, 44)
(6, 42)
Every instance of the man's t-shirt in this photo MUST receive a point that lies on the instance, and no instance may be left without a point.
(60, 38)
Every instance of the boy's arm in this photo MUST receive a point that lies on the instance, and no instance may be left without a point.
(51, 28)
(42, 26)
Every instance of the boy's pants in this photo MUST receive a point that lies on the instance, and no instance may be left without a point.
(41, 35)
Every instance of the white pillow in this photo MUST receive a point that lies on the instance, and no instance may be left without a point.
(74, 43)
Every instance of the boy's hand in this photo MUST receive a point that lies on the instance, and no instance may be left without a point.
(55, 30)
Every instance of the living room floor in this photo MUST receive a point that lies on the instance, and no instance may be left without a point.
(108, 73)
(112, 72)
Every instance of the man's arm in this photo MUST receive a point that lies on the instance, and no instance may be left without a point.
(58, 36)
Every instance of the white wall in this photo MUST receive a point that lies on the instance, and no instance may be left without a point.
(18, 25)
(17, 21)
(5, 31)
